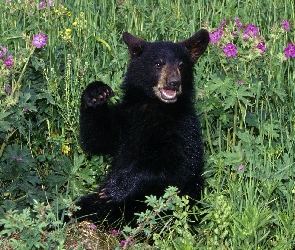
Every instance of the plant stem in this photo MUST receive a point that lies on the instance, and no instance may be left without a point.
(18, 83)
(235, 122)
(208, 134)
(4, 144)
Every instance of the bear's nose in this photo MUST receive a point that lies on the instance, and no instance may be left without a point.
(173, 82)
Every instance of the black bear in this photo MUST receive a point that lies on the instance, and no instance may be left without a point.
(152, 135)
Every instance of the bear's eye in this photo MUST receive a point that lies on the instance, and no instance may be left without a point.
(159, 64)
(180, 65)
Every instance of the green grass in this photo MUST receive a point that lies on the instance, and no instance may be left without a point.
(42, 167)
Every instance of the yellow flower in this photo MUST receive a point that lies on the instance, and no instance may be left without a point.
(68, 31)
(69, 13)
(56, 11)
(75, 23)
(65, 149)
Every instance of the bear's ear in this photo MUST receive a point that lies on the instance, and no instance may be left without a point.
(135, 45)
(197, 44)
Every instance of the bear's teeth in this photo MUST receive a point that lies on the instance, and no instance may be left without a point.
(168, 93)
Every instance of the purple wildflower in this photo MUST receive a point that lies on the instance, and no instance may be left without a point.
(9, 61)
(238, 23)
(39, 40)
(26, 110)
(8, 89)
(44, 3)
(240, 82)
(245, 36)
(261, 47)
(285, 24)
(3, 51)
(114, 232)
(290, 50)
(92, 226)
(123, 243)
(127, 242)
(230, 50)
(19, 159)
(241, 167)
(215, 36)
(251, 31)
(222, 23)
(235, 33)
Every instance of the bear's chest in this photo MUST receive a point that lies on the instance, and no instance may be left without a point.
(149, 131)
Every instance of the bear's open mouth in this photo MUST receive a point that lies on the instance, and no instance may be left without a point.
(168, 94)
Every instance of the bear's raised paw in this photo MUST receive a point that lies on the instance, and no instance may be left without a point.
(97, 93)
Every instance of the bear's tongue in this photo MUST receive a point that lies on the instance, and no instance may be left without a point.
(168, 93)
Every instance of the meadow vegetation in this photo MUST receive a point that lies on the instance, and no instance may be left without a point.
(245, 84)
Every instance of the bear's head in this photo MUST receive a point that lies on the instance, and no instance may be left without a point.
(162, 70)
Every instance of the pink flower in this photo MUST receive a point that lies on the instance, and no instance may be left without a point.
(92, 226)
(290, 50)
(240, 82)
(8, 89)
(3, 51)
(215, 36)
(245, 36)
(9, 61)
(239, 24)
(261, 47)
(241, 167)
(230, 50)
(251, 31)
(114, 232)
(127, 242)
(285, 24)
(222, 23)
(39, 40)
(123, 243)
(44, 3)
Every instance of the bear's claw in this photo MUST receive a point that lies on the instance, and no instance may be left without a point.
(97, 95)
(103, 196)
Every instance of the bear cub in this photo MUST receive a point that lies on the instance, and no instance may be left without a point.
(152, 135)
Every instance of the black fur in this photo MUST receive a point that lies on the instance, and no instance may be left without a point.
(154, 142)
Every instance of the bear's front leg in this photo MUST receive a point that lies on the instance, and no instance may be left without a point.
(98, 121)
(131, 184)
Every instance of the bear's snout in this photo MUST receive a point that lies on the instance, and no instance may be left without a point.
(173, 82)
(169, 84)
